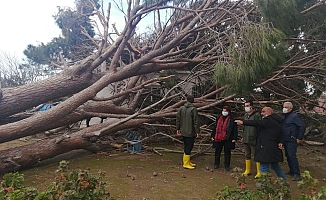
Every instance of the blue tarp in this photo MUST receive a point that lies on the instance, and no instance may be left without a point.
(46, 107)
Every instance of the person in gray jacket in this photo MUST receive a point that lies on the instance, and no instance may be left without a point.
(249, 136)
(187, 125)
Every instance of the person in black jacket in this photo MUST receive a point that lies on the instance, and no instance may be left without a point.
(224, 134)
(269, 143)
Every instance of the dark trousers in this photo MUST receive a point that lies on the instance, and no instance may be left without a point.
(249, 150)
(188, 143)
(290, 148)
(227, 152)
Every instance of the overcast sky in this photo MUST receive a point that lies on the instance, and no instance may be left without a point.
(26, 22)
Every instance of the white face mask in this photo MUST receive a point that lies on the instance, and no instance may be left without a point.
(224, 113)
(247, 109)
(285, 110)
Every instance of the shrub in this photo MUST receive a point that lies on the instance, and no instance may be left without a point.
(271, 190)
(69, 185)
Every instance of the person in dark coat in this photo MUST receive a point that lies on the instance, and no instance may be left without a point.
(269, 142)
(293, 130)
(187, 124)
(224, 134)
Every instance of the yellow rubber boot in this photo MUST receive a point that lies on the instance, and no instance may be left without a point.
(258, 170)
(192, 164)
(186, 161)
(248, 168)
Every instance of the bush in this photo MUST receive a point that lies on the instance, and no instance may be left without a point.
(267, 189)
(68, 185)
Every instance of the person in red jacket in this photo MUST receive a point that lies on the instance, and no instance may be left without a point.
(187, 125)
(224, 134)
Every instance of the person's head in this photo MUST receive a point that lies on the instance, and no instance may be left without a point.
(249, 106)
(190, 98)
(226, 110)
(266, 111)
(287, 107)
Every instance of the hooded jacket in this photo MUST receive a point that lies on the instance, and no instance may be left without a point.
(249, 134)
(268, 138)
(187, 120)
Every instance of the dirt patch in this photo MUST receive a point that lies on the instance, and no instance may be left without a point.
(150, 176)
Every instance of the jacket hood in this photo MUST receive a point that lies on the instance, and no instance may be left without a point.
(278, 118)
(188, 105)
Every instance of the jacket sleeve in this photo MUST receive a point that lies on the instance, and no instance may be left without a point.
(256, 123)
(195, 120)
(178, 119)
(214, 128)
(235, 130)
(301, 128)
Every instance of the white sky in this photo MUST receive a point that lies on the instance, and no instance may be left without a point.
(26, 22)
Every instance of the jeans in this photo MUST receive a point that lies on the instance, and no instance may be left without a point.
(264, 168)
(290, 148)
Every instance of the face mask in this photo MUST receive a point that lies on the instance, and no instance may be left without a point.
(225, 113)
(247, 109)
(285, 110)
(265, 116)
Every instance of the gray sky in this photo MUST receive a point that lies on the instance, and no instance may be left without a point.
(26, 22)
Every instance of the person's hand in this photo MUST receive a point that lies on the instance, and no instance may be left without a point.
(212, 139)
(239, 122)
(280, 145)
(197, 135)
(298, 141)
(233, 140)
(178, 132)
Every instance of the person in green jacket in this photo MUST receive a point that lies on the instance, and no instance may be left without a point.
(188, 126)
(249, 137)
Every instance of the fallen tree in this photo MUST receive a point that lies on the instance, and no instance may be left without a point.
(182, 51)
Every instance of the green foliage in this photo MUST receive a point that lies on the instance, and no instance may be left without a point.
(68, 185)
(74, 45)
(284, 14)
(77, 184)
(12, 187)
(309, 185)
(255, 51)
(267, 189)
(15, 180)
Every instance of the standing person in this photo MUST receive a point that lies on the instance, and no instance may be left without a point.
(224, 134)
(269, 141)
(249, 136)
(188, 126)
(293, 129)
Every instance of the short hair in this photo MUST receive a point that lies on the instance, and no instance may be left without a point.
(251, 103)
(190, 98)
(227, 108)
(289, 103)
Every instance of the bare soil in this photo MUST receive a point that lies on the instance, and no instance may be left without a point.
(150, 176)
